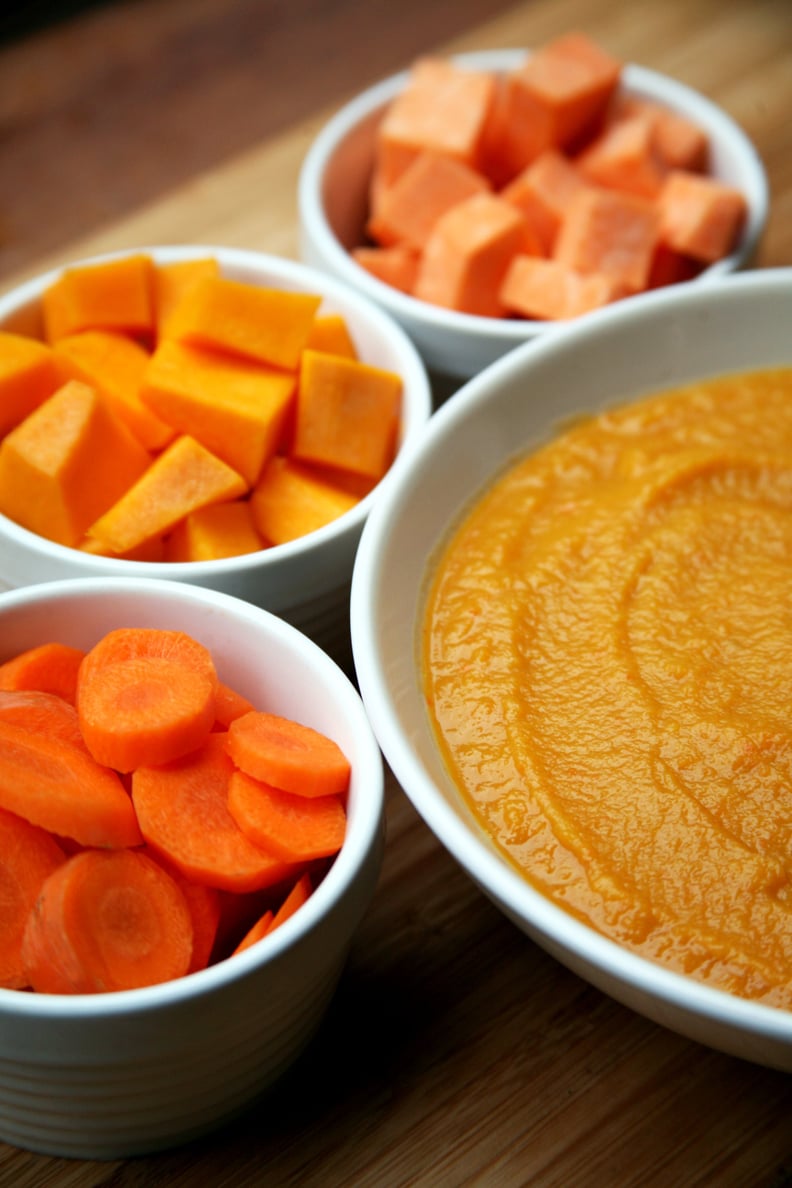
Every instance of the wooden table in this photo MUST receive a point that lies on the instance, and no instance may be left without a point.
(456, 1052)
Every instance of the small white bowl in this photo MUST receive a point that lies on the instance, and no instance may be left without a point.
(111, 1075)
(652, 343)
(333, 204)
(306, 581)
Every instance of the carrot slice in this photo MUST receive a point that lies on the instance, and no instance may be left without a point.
(182, 808)
(229, 704)
(130, 643)
(289, 755)
(48, 667)
(42, 713)
(294, 828)
(256, 932)
(28, 856)
(106, 922)
(54, 784)
(203, 904)
(299, 894)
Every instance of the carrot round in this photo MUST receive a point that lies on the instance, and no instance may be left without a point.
(42, 713)
(256, 933)
(130, 643)
(28, 856)
(144, 711)
(229, 704)
(49, 667)
(54, 784)
(288, 755)
(294, 828)
(182, 809)
(299, 894)
(107, 921)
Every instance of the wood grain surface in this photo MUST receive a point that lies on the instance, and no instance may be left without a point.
(455, 1052)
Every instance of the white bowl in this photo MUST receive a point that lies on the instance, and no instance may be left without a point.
(306, 581)
(118, 1074)
(652, 343)
(333, 203)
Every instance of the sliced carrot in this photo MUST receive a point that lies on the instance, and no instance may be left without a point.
(395, 266)
(49, 667)
(256, 933)
(700, 216)
(288, 754)
(429, 186)
(130, 643)
(203, 904)
(229, 704)
(299, 894)
(548, 289)
(468, 253)
(106, 922)
(294, 828)
(612, 233)
(29, 373)
(330, 333)
(28, 856)
(54, 784)
(182, 808)
(42, 713)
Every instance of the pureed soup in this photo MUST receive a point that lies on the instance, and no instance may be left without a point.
(608, 664)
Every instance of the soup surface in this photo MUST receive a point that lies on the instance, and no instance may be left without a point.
(608, 665)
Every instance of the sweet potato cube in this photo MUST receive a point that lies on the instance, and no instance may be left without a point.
(430, 185)
(442, 109)
(556, 97)
(700, 216)
(624, 157)
(395, 266)
(289, 501)
(604, 231)
(330, 333)
(235, 407)
(547, 289)
(543, 192)
(679, 142)
(670, 267)
(171, 283)
(114, 363)
(29, 373)
(184, 477)
(66, 463)
(468, 253)
(347, 414)
(210, 533)
(268, 325)
(112, 295)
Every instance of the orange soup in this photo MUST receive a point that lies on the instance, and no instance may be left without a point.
(608, 665)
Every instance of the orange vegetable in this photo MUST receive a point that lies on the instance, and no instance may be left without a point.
(229, 704)
(678, 141)
(203, 904)
(294, 828)
(182, 808)
(219, 530)
(347, 414)
(145, 697)
(48, 667)
(66, 464)
(112, 295)
(442, 109)
(287, 754)
(114, 364)
(28, 856)
(172, 282)
(468, 253)
(395, 266)
(543, 192)
(624, 157)
(105, 922)
(256, 933)
(289, 501)
(330, 333)
(29, 373)
(43, 713)
(429, 186)
(184, 477)
(699, 216)
(549, 289)
(56, 785)
(299, 894)
(268, 325)
(607, 232)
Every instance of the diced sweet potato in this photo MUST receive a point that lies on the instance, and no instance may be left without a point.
(395, 266)
(115, 294)
(29, 373)
(548, 289)
(700, 216)
(430, 185)
(624, 157)
(608, 232)
(289, 501)
(66, 463)
(543, 192)
(468, 253)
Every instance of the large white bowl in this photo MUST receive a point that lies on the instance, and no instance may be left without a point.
(651, 343)
(333, 203)
(305, 581)
(118, 1074)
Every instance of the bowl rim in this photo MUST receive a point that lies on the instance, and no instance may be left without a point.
(340, 876)
(637, 79)
(474, 852)
(337, 292)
